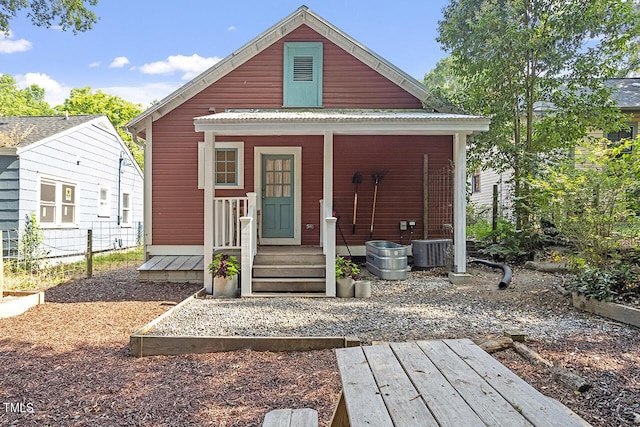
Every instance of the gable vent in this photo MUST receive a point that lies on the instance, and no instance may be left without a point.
(303, 68)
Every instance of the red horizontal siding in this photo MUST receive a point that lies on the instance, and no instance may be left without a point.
(400, 191)
(347, 83)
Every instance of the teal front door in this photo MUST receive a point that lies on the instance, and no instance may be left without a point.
(277, 196)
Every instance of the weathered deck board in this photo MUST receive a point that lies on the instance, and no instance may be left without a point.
(446, 405)
(366, 407)
(173, 263)
(439, 382)
(486, 402)
(400, 396)
(532, 404)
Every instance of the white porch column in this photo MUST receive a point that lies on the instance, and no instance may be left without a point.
(327, 180)
(329, 243)
(209, 194)
(459, 273)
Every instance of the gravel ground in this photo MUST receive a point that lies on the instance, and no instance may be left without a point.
(422, 307)
(68, 361)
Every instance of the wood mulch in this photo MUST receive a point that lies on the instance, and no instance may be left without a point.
(67, 363)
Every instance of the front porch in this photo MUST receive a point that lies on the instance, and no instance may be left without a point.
(277, 270)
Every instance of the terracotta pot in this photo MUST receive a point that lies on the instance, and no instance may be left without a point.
(345, 288)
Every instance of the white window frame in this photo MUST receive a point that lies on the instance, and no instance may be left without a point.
(104, 206)
(123, 223)
(239, 147)
(58, 182)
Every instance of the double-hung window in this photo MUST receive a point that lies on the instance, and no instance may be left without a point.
(302, 86)
(57, 203)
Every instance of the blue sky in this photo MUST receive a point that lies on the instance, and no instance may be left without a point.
(142, 50)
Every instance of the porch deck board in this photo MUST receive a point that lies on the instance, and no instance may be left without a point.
(174, 263)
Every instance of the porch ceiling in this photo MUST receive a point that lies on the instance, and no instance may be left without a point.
(355, 122)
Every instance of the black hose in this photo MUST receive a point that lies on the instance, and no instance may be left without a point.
(506, 277)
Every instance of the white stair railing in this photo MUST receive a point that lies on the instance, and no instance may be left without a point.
(227, 212)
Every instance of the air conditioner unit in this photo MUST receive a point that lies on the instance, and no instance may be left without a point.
(431, 253)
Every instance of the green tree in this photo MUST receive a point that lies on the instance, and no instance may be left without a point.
(538, 68)
(86, 101)
(67, 14)
(22, 102)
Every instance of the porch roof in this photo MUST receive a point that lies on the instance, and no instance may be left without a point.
(398, 122)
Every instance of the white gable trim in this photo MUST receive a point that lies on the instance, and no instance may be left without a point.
(301, 16)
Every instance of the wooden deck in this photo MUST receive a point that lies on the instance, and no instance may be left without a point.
(173, 268)
(438, 383)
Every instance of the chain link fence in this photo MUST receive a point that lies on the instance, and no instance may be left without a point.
(51, 256)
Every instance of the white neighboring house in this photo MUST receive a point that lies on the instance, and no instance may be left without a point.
(481, 198)
(75, 173)
(626, 93)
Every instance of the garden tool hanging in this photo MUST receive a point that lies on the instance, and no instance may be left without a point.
(357, 179)
(377, 177)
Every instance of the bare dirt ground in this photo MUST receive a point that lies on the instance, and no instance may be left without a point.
(67, 362)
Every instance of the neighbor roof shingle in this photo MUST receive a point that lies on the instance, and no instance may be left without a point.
(41, 127)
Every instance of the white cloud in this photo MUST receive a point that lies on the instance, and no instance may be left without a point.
(142, 94)
(231, 28)
(94, 64)
(119, 62)
(55, 93)
(191, 66)
(7, 45)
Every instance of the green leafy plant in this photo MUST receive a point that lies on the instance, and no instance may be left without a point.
(619, 281)
(30, 250)
(224, 265)
(346, 268)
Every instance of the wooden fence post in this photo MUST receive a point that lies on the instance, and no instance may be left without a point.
(89, 253)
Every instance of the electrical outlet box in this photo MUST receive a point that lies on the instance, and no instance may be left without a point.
(403, 225)
(412, 224)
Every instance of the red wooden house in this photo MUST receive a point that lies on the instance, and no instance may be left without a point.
(262, 148)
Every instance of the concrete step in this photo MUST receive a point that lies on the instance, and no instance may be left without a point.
(298, 285)
(289, 270)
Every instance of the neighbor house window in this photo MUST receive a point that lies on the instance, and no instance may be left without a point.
(126, 209)
(302, 86)
(57, 202)
(627, 133)
(475, 181)
(104, 207)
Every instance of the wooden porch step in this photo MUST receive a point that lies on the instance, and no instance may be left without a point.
(292, 284)
(287, 259)
(289, 270)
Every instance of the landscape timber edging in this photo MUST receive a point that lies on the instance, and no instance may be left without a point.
(141, 344)
(611, 310)
(24, 301)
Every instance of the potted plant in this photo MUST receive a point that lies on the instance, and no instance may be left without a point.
(225, 269)
(346, 274)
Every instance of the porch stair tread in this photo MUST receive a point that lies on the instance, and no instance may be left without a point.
(288, 284)
(289, 295)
